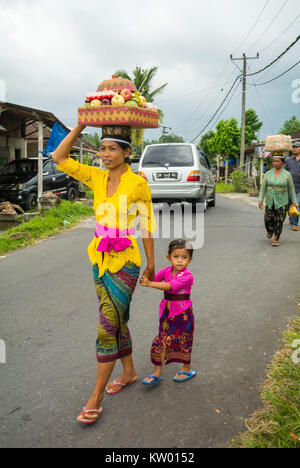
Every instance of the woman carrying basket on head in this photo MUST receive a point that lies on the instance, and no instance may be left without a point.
(277, 189)
(120, 196)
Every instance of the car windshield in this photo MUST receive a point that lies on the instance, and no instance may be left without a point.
(22, 166)
(174, 156)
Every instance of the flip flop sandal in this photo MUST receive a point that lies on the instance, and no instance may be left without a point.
(156, 380)
(189, 375)
(118, 384)
(87, 412)
(275, 244)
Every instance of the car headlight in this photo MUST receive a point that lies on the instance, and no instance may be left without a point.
(19, 187)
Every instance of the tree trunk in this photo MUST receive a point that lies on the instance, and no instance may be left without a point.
(226, 171)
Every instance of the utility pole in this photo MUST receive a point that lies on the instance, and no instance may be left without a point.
(40, 162)
(243, 132)
(164, 133)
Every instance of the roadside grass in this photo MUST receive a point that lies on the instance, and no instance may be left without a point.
(277, 425)
(224, 188)
(66, 215)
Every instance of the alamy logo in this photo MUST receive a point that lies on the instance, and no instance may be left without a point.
(176, 221)
(296, 93)
(2, 352)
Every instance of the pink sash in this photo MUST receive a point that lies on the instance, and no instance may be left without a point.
(113, 239)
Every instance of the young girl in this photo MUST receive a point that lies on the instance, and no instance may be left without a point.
(174, 342)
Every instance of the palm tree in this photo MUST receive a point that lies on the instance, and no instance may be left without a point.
(142, 80)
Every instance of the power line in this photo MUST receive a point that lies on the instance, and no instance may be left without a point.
(227, 105)
(278, 58)
(277, 77)
(223, 102)
(262, 104)
(256, 22)
(281, 34)
(268, 27)
(204, 99)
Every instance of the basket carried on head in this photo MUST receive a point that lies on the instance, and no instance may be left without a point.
(279, 143)
(118, 103)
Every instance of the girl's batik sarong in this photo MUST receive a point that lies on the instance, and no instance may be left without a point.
(114, 291)
(175, 340)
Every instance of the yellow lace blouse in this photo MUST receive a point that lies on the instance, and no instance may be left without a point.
(131, 200)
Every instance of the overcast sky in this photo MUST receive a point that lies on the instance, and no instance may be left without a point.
(52, 53)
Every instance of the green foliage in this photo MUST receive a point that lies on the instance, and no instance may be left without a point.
(206, 145)
(291, 126)
(40, 227)
(227, 139)
(224, 188)
(143, 79)
(277, 425)
(92, 140)
(239, 181)
(253, 125)
(165, 139)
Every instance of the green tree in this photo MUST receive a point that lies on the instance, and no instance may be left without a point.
(92, 139)
(171, 138)
(253, 125)
(227, 140)
(291, 126)
(143, 81)
(207, 146)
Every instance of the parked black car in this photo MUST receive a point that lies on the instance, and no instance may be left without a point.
(19, 182)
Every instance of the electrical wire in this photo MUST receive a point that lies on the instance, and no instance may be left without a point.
(278, 58)
(262, 104)
(253, 27)
(281, 34)
(277, 77)
(220, 107)
(269, 26)
(226, 107)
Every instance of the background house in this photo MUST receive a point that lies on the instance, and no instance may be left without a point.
(19, 133)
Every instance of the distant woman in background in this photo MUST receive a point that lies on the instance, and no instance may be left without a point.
(277, 188)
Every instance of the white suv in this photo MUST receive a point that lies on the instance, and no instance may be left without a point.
(178, 172)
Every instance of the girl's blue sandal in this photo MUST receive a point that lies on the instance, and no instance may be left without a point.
(155, 381)
(189, 375)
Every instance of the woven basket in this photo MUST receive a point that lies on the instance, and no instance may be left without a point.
(134, 117)
(279, 143)
(116, 84)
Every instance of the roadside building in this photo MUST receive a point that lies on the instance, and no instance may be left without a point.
(19, 133)
(296, 136)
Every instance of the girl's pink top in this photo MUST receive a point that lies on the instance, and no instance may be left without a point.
(182, 283)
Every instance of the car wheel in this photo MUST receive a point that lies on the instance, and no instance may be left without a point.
(31, 202)
(213, 203)
(204, 201)
(71, 194)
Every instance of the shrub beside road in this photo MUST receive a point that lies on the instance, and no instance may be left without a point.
(277, 425)
(66, 215)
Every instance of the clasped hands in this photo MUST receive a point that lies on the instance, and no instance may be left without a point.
(147, 277)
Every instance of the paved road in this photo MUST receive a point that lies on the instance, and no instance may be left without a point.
(245, 293)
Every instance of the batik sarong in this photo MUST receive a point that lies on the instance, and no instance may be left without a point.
(274, 220)
(175, 340)
(114, 292)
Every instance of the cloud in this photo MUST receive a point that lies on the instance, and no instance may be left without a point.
(54, 52)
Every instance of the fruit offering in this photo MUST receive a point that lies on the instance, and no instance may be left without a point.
(118, 102)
